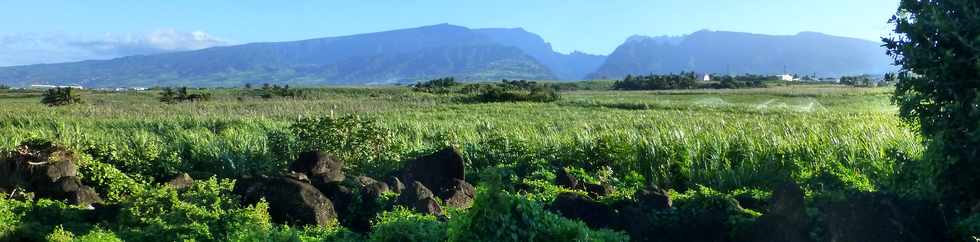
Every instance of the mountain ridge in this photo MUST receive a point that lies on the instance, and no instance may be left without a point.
(728, 52)
(427, 52)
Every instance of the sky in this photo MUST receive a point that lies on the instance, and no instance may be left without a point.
(49, 31)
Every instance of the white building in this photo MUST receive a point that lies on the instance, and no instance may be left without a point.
(56, 86)
(786, 77)
(706, 77)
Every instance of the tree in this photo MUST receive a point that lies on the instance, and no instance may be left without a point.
(937, 44)
(59, 96)
(168, 95)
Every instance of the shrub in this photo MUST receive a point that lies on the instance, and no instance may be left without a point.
(60, 235)
(59, 96)
(858, 81)
(204, 212)
(267, 91)
(936, 45)
(33, 220)
(440, 86)
(657, 82)
(716, 216)
(97, 235)
(112, 184)
(181, 95)
(499, 216)
(510, 93)
(968, 229)
(364, 144)
(403, 225)
(10, 218)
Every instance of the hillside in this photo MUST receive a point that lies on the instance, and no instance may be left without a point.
(410, 55)
(733, 52)
(406, 55)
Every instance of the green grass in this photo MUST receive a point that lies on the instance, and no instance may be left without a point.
(719, 138)
(831, 139)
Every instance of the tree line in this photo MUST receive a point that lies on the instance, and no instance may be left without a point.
(504, 91)
(688, 80)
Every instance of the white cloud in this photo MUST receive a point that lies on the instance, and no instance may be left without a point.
(26, 49)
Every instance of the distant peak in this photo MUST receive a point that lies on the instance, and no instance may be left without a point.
(811, 33)
(580, 53)
(443, 26)
(669, 40)
(638, 38)
(703, 31)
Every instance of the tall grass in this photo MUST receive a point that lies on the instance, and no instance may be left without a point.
(664, 136)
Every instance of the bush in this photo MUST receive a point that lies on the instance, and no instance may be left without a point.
(98, 235)
(968, 229)
(403, 225)
(267, 91)
(112, 184)
(439, 86)
(858, 81)
(205, 212)
(511, 93)
(499, 216)
(31, 220)
(936, 43)
(181, 95)
(59, 96)
(657, 82)
(363, 144)
(10, 218)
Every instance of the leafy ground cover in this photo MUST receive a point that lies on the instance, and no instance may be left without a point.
(698, 144)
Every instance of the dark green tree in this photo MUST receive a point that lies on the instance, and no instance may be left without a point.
(937, 44)
(168, 95)
(59, 96)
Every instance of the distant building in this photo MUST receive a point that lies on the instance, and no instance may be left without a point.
(786, 77)
(706, 77)
(56, 86)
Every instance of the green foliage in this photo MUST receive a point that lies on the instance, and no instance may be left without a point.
(269, 91)
(364, 144)
(33, 220)
(514, 91)
(720, 139)
(60, 235)
(499, 216)
(860, 81)
(438, 86)
(205, 212)
(112, 184)
(968, 229)
(10, 218)
(740, 81)
(657, 82)
(181, 95)
(96, 235)
(59, 96)
(403, 225)
(701, 209)
(936, 44)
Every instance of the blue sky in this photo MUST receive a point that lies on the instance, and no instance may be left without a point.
(592, 26)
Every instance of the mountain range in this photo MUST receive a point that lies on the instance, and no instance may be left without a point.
(736, 53)
(410, 55)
